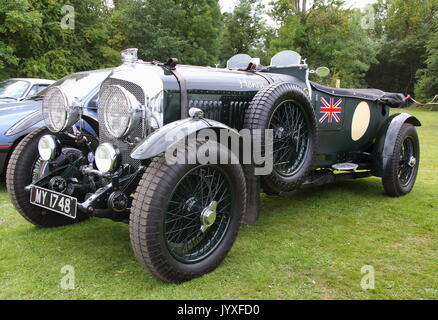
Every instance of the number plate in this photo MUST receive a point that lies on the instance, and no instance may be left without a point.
(54, 201)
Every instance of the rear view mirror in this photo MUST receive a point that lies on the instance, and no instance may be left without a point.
(322, 72)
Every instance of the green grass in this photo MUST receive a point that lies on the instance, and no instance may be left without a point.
(311, 245)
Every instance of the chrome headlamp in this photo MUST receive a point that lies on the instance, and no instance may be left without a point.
(59, 112)
(122, 112)
(49, 147)
(107, 158)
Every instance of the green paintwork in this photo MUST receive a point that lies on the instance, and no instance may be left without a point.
(224, 95)
(336, 137)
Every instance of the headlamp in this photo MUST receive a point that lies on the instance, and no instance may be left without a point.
(107, 158)
(59, 112)
(49, 147)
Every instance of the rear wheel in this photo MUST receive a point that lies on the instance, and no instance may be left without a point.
(400, 176)
(25, 167)
(185, 217)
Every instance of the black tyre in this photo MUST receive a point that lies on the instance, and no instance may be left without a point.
(285, 108)
(400, 176)
(174, 232)
(24, 167)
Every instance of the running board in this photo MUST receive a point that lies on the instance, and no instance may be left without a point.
(323, 177)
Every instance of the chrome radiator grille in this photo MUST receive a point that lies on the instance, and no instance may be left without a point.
(140, 132)
(135, 89)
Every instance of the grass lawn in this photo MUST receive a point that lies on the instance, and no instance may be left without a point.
(311, 245)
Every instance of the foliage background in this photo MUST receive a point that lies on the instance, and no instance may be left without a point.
(399, 52)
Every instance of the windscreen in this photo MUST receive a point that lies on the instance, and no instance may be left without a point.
(13, 89)
(239, 61)
(286, 58)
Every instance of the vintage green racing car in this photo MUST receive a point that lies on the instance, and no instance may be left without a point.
(183, 152)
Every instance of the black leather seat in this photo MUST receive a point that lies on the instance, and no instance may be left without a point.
(393, 100)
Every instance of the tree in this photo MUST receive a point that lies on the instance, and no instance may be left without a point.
(402, 37)
(18, 20)
(327, 35)
(42, 47)
(245, 31)
(186, 29)
(427, 86)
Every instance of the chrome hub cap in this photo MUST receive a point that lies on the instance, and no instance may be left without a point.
(208, 216)
(412, 162)
(279, 133)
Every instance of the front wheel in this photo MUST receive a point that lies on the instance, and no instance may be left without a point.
(24, 168)
(185, 217)
(400, 176)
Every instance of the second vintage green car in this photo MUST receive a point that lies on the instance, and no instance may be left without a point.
(184, 152)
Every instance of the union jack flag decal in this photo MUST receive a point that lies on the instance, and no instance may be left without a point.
(330, 110)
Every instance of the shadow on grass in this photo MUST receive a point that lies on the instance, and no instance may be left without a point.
(370, 188)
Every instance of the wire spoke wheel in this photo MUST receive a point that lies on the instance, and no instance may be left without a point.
(290, 137)
(401, 172)
(408, 161)
(186, 216)
(198, 214)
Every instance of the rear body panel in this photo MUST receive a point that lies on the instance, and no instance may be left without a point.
(340, 135)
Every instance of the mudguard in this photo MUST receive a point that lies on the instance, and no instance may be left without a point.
(386, 138)
(170, 134)
(25, 125)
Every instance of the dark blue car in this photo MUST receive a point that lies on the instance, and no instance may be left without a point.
(20, 118)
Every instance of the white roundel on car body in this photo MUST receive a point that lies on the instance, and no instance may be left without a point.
(361, 121)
